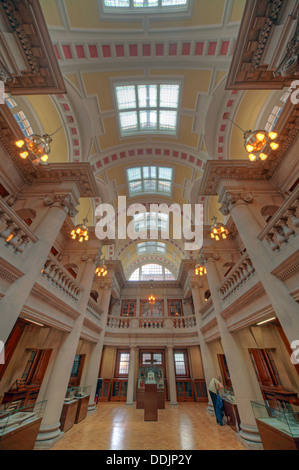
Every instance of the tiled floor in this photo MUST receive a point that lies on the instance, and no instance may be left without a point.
(118, 427)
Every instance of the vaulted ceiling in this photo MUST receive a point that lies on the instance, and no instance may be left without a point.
(96, 49)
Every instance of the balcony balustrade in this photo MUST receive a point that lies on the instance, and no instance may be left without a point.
(14, 232)
(239, 275)
(284, 225)
(56, 274)
(139, 323)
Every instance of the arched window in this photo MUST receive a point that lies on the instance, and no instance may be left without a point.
(152, 272)
(19, 115)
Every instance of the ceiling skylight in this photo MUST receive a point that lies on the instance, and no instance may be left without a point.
(150, 180)
(148, 108)
(151, 247)
(151, 220)
(144, 4)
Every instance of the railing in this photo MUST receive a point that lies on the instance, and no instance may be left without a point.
(207, 309)
(59, 277)
(13, 231)
(94, 309)
(284, 225)
(138, 323)
(240, 274)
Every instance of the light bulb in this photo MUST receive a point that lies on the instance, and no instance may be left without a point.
(252, 157)
(24, 155)
(274, 146)
(263, 156)
(44, 158)
(260, 136)
(273, 135)
(20, 144)
(249, 148)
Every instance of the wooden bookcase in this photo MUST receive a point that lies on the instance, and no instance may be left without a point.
(200, 391)
(104, 390)
(184, 388)
(119, 390)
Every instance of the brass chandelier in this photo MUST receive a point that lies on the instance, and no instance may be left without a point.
(258, 143)
(101, 270)
(37, 146)
(152, 298)
(81, 232)
(218, 230)
(200, 268)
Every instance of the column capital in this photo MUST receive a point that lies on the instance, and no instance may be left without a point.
(65, 201)
(231, 200)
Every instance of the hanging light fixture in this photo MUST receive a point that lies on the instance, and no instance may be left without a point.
(36, 146)
(200, 269)
(101, 270)
(81, 232)
(218, 230)
(152, 298)
(258, 143)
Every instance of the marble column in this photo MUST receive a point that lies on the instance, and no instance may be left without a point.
(49, 432)
(242, 379)
(285, 307)
(206, 354)
(34, 260)
(131, 378)
(171, 377)
(93, 368)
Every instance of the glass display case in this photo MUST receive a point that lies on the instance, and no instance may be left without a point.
(81, 392)
(70, 395)
(227, 394)
(151, 375)
(19, 426)
(278, 427)
(184, 390)
(230, 408)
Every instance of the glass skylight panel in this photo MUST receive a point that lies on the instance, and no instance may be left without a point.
(151, 220)
(169, 96)
(148, 96)
(151, 247)
(144, 4)
(170, 3)
(150, 180)
(117, 3)
(128, 121)
(148, 108)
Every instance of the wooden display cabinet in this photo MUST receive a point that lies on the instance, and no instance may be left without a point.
(184, 389)
(68, 415)
(119, 390)
(82, 409)
(274, 439)
(103, 392)
(200, 391)
(232, 414)
(22, 438)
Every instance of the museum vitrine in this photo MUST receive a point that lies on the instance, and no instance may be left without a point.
(200, 391)
(278, 427)
(231, 408)
(119, 390)
(19, 426)
(69, 410)
(184, 390)
(83, 396)
(151, 371)
(103, 390)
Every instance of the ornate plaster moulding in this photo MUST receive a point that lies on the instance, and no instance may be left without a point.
(9, 272)
(47, 320)
(252, 319)
(62, 306)
(250, 294)
(88, 323)
(288, 268)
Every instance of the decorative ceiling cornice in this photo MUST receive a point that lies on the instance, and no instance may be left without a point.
(248, 71)
(42, 75)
